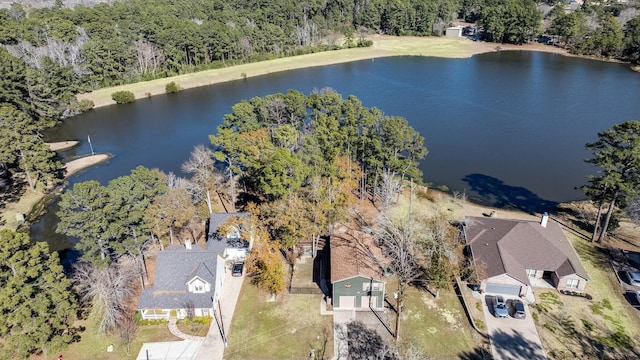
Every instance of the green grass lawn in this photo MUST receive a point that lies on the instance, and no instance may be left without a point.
(438, 327)
(193, 328)
(287, 328)
(574, 326)
(93, 346)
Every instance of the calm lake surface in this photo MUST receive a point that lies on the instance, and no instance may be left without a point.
(507, 128)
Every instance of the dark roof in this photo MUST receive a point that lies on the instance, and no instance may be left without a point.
(354, 253)
(510, 247)
(217, 242)
(175, 266)
(217, 219)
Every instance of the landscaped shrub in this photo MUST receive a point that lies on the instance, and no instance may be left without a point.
(480, 324)
(204, 320)
(153, 322)
(123, 97)
(172, 87)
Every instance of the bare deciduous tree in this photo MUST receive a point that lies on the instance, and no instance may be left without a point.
(61, 52)
(109, 290)
(399, 240)
(633, 211)
(127, 328)
(388, 189)
(149, 57)
(202, 167)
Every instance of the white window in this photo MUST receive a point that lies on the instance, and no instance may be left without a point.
(531, 272)
(573, 283)
(198, 288)
(369, 286)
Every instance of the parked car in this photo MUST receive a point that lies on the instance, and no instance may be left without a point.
(637, 293)
(634, 278)
(237, 269)
(518, 310)
(500, 307)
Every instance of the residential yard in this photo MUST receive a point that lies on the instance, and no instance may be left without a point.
(605, 327)
(287, 328)
(438, 327)
(199, 327)
(94, 346)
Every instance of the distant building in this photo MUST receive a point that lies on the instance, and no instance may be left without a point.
(454, 31)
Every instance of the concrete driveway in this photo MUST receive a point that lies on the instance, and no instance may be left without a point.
(511, 338)
(213, 346)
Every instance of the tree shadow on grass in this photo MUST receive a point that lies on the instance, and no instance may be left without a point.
(478, 353)
(494, 192)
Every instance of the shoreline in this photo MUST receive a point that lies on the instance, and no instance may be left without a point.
(30, 199)
(62, 145)
(383, 46)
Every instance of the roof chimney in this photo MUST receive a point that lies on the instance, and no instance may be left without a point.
(187, 244)
(544, 220)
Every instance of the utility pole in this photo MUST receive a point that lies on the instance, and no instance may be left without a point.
(224, 334)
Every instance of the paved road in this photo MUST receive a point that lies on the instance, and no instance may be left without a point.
(213, 347)
(512, 339)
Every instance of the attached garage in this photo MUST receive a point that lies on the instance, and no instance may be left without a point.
(369, 301)
(347, 302)
(502, 289)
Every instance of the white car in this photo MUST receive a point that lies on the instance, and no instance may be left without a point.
(500, 308)
(634, 278)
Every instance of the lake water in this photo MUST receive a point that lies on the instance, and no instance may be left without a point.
(507, 128)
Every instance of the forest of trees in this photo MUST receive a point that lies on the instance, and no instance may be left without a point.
(303, 159)
(48, 55)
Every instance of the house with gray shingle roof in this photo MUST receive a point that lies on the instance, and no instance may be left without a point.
(187, 278)
(190, 277)
(514, 255)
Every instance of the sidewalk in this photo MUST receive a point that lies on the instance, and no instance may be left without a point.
(213, 347)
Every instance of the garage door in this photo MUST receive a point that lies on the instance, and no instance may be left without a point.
(369, 301)
(347, 302)
(501, 289)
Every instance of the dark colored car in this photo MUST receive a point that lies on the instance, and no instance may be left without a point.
(518, 310)
(237, 269)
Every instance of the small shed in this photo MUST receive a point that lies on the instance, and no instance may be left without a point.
(454, 31)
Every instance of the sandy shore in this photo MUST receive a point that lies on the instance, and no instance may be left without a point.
(74, 166)
(30, 197)
(62, 145)
(383, 46)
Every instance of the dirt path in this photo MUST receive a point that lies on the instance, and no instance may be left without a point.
(383, 46)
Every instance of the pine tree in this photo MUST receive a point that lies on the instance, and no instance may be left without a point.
(36, 303)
